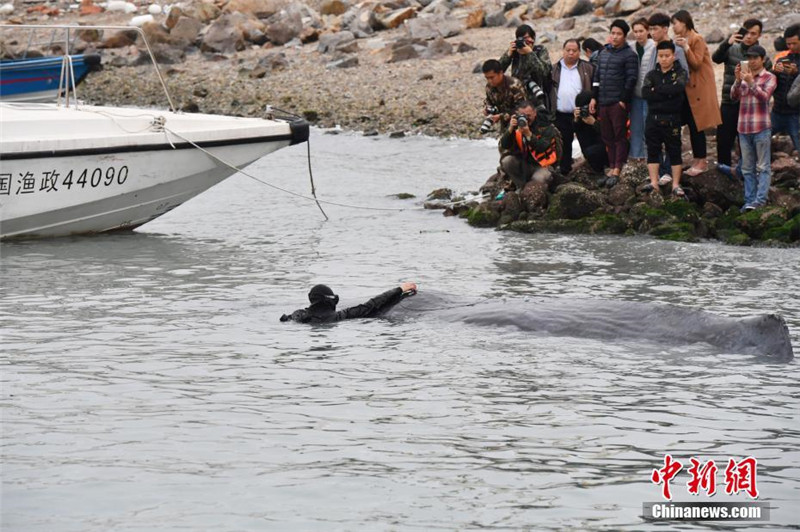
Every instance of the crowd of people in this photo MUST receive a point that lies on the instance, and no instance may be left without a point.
(631, 98)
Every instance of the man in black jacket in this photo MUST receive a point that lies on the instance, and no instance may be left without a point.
(323, 305)
(613, 84)
(786, 117)
(663, 88)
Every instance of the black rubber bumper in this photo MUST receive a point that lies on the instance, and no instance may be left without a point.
(300, 130)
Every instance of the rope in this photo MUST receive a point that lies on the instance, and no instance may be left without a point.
(302, 196)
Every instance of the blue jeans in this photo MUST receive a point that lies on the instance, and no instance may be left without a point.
(638, 114)
(788, 124)
(756, 165)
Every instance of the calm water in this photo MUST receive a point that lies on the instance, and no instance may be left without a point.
(148, 385)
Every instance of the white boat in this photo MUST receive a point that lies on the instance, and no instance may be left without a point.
(77, 169)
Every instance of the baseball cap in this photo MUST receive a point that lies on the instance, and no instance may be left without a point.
(756, 50)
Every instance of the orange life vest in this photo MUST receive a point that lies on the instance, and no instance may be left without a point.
(550, 156)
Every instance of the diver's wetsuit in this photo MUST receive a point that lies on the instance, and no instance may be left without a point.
(322, 312)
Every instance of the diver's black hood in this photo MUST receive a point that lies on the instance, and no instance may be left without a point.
(322, 296)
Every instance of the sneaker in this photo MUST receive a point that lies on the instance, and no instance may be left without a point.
(747, 208)
(665, 180)
(611, 181)
(601, 181)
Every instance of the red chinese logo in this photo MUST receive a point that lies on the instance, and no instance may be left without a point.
(704, 477)
(741, 476)
(665, 474)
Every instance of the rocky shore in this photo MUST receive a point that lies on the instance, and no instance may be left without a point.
(384, 66)
(578, 206)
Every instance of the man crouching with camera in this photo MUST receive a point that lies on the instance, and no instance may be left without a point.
(530, 147)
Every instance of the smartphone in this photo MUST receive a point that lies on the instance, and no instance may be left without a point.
(742, 31)
(745, 66)
(784, 60)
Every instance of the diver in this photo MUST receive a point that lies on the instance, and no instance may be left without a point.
(323, 305)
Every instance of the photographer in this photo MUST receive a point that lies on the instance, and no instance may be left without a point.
(531, 147)
(587, 129)
(503, 93)
(571, 77)
(530, 63)
(786, 117)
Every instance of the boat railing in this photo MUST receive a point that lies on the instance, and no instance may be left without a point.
(67, 72)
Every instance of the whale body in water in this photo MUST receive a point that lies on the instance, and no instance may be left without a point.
(765, 335)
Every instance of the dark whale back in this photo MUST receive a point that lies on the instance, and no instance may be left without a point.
(765, 336)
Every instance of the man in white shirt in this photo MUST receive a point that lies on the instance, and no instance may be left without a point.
(572, 76)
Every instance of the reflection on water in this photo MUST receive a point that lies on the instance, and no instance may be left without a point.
(147, 383)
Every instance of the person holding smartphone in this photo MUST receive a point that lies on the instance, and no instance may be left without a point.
(754, 87)
(785, 116)
(731, 53)
(701, 107)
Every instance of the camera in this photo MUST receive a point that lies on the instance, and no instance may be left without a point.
(522, 121)
(535, 92)
(519, 43)
(584, 111)
(488, 123)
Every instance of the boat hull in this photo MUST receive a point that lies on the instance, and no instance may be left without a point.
(37, 80)
(86, 195)
(57, 184)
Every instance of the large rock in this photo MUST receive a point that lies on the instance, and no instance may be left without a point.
(332, 42)
(165, 54)
(565, 25)
(119, 39)
(715, 36)
(394, 18)
(273, 61)
(186, 31)
(205, 12)
(786, 171)
(534, 197)
(570, 8)
(427, 28)
(438, 7)
(573, 201)
(285, 25)
(223, 36)
(174, 14)
(403, 53)
(154, 32)
(257, 8)
(438, 48)
(496, 18)
(475, 19)
(345, 62)
(361, 20)
(716, 188)
(627, 7)
(333, 7)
